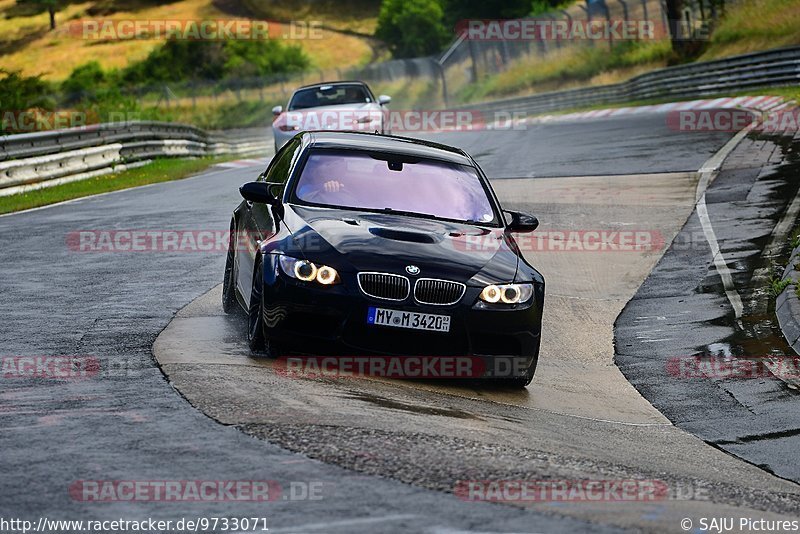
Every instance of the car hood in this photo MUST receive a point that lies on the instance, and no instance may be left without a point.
(359, 241)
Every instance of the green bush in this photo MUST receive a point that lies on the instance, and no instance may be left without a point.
(412, 28)
(181, 60)
(262, 58)
(20, 93)
(97, 93)
(85, 82)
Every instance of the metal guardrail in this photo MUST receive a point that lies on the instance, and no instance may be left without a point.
(761, 69)
(41, 143)
(42, 159)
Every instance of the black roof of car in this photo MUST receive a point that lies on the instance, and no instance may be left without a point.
(338, 82)
(405, 146)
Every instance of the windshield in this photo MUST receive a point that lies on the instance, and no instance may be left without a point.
(330, 95)
(357, 180)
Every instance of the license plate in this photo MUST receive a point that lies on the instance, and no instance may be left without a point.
(404, 319)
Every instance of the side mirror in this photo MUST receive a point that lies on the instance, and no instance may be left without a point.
(260, 193)
(384, 99)
(522, 222)
(277, 110)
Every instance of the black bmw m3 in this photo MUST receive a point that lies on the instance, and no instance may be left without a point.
(363, 244)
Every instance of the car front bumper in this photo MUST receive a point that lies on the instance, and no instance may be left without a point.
(314, 320)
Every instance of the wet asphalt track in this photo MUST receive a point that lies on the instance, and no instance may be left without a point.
(129, 423)
(682, 310)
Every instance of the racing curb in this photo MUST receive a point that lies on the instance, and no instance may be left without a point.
(787, 305)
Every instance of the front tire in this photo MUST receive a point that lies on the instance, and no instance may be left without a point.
(256, 338)
(229, 302)
(255, 312)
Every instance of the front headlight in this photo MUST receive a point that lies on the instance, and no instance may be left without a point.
(308, 272)
(507, 293)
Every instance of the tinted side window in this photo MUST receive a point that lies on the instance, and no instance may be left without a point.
(278, 170)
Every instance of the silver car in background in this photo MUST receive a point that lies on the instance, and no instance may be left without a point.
(336, 106)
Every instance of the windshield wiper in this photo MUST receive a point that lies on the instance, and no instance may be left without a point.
(412, 213)
(417, 213)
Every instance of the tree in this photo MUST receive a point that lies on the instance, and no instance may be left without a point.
(412, 28)
(84, 81)
(675, 18)
(686, 43)
(50, 5)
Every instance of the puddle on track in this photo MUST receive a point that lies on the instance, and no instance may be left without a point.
(757, 335)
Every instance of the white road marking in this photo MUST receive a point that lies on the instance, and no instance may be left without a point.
(708, 172)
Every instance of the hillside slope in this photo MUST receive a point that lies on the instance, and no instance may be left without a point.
(27, 44)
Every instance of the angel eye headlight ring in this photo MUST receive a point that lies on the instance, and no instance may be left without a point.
(326, 275)
(507, 293)
(491, 294)
(307, 271)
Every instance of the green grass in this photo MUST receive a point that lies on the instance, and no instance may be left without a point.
(755, 25)
(794, 238)
(216, 116)
(788, 92)
(575, 65)
(776, 285)
(160, 170)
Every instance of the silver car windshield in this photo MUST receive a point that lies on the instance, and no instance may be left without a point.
(357, 180)
(330, 95)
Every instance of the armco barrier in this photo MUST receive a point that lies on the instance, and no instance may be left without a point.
(740, 73)
(41, 159)
(43, 168)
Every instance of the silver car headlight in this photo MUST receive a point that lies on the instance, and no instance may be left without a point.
(307, 271)
(507, 293)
